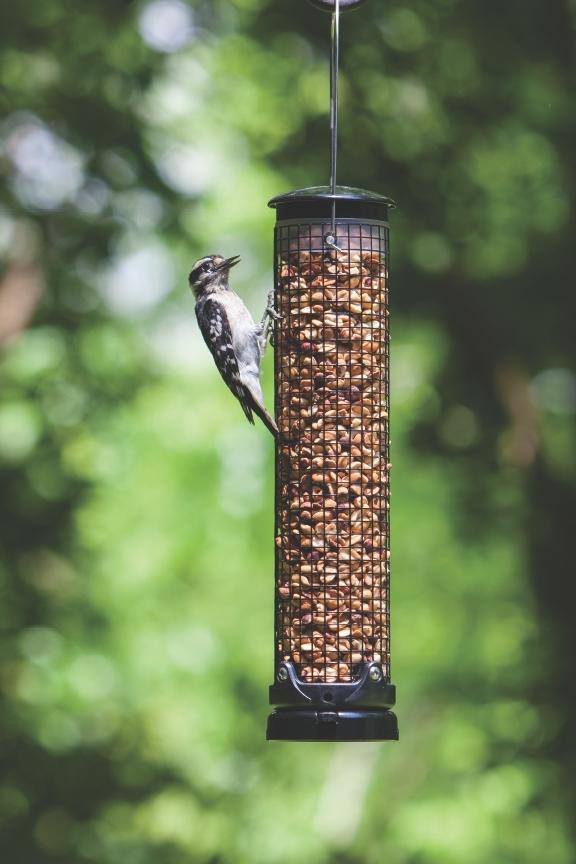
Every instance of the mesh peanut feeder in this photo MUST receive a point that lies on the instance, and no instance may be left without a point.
(332, 635)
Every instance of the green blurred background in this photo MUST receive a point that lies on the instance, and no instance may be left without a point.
(136, 507)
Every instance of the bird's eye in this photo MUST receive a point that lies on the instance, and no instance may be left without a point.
(208, 267)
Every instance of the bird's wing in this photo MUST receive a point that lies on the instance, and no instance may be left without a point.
(215, 329)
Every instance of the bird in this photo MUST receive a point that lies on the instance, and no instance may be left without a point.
(235, 340)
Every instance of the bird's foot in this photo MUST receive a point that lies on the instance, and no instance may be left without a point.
(265, 328)
(271, 311)
(264, 334)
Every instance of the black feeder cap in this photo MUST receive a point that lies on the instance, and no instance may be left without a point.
(316, 202)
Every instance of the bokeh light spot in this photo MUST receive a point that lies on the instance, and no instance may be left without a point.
(20, 430)
(555, 391)
(459, 428)
(47, 170)
(431, 252)
(166, 25)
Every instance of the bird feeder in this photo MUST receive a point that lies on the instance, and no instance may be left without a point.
(332, 517)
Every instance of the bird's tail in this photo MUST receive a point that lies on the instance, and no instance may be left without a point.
(254, 401)
(263, 414)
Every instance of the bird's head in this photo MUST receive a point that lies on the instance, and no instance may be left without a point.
(211, 273)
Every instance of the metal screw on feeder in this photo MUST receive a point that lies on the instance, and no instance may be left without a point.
(375, 673)
(332, 393)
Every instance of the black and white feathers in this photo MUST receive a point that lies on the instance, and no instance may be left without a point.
(234, 339)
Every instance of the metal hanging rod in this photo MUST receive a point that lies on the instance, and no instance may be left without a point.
(334, 72)
(335, 7)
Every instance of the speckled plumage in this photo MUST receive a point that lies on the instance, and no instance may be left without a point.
(231, 334)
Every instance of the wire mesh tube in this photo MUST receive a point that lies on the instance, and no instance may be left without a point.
(333, 465)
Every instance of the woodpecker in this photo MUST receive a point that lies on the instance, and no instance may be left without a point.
(235, 341)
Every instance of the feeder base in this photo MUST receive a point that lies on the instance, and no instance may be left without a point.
(307, 724)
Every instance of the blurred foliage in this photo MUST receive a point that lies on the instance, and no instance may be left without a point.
(136, 507)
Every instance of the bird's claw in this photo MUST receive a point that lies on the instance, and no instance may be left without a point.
(273, 313)
(266, 329)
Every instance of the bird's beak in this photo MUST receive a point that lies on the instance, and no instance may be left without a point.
(228, 263)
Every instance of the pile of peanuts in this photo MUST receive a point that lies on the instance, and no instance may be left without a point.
(333, 470)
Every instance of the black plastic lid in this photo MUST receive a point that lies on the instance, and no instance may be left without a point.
(316, 202)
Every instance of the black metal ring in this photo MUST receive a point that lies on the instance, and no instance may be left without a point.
(330, 5)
